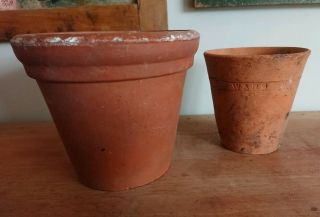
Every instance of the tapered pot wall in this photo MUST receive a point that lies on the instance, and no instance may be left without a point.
(253, 90)
(114, 97)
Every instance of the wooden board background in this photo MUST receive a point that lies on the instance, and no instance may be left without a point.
(93, 18)
(145, 15)
(241, 3)
(204, 180)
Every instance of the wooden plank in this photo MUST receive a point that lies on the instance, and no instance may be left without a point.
(241, 3)
(36, 177)
(153, 15)
(36, 4)
(89, 18)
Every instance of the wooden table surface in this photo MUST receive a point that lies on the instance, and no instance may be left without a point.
(36, 177)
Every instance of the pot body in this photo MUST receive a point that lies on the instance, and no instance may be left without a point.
(253, 90)
(115, 99)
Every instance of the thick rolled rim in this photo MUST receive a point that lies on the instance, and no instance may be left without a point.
(89, 38)
(243, 52)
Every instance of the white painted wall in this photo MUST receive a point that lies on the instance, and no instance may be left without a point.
(20, 97)
(219, 28)
(21, 100)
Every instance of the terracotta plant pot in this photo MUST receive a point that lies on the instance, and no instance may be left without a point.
(253, 90)
(114, 97)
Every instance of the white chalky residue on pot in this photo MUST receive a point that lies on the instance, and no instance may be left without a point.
(30, 42)
(57, 41)
(138, 39)
(23, 41)
(175, 37)
(76, 40)
(53, 40)
(168, 38)
(144, 39)
(17, 40)
(117, 39)
(71, 41)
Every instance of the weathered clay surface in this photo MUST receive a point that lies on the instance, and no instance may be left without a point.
(114, 97)
(253, 90)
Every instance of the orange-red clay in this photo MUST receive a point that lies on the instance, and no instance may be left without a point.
(114, 97)
(253, 90)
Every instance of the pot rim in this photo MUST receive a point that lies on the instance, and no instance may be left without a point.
(102, 37)
(252, 52)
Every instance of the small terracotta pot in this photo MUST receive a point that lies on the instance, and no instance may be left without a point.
(114, 97)
(253, 90)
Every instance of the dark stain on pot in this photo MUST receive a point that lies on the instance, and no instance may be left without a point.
(69, 24)
(9, 33)
(124, 12)
(102, 149)
(92, 17)
(314, 209)
(184, 174)
(279, 56)
(242, 150)
(231, 108)
(256, 144)
(299, 62)
(256, 140)
(273, 136)
(59, 29)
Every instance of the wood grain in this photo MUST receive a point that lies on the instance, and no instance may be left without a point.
(153, 15)
(89, 18)
(36, 178)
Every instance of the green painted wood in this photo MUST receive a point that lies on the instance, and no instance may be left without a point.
(38, 4)
(241, 3)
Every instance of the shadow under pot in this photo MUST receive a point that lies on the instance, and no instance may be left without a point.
(253, 90)
(114, 97)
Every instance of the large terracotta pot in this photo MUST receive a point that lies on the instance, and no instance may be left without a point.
(253, 90)
(114, 97)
